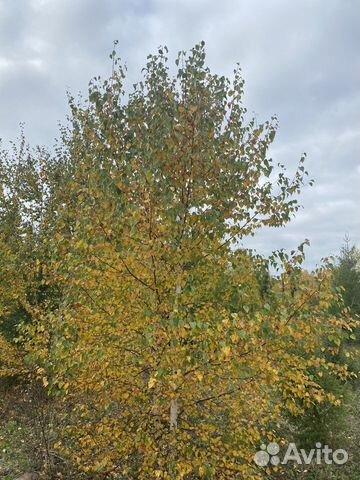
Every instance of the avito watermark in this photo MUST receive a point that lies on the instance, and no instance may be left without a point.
(322, 454)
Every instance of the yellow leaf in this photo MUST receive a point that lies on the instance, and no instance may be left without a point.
(152, 382)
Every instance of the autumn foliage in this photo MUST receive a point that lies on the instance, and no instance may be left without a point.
(173, 352)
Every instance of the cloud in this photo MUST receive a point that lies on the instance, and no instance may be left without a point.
(300, 60)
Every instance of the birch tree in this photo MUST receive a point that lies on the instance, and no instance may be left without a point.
(173, 360)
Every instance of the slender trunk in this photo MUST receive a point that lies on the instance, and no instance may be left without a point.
(174, 404)
(174, 410)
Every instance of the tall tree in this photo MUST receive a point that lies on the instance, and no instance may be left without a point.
(161, 341)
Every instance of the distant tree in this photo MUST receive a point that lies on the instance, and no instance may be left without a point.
(347, 276)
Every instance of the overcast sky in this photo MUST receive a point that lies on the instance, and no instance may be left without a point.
(300, 60)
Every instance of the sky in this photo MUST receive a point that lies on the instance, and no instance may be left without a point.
(300, 60)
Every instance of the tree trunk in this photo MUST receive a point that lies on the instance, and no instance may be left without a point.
(174, 410)
(174, 404)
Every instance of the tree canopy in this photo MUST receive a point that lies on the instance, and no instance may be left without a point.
(173, 351)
